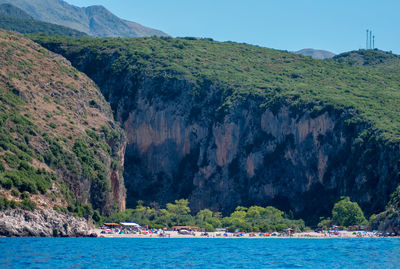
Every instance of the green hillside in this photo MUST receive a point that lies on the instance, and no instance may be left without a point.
(242, 70)
(376, 59)
(54, 143)
(26, 26)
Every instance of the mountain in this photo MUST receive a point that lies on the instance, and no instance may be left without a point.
(226, 124)
(15, 19)
(28, 26)
(93, 20)
(316, 54)
(60, 149)
(12, 11)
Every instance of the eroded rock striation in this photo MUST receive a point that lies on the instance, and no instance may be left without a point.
(43, 223)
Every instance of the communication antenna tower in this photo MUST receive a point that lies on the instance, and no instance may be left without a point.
(373, 42)
(370, 39)
(366, 47)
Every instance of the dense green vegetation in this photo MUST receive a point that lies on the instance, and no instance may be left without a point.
(16, 153)
(344, 213)
(242, 71)
(80, 210)
(27, 26)
(254, 218)
(347, 213)
(94, 170)
(26, 204)
(373, 59)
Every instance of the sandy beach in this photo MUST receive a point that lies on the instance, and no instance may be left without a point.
(175, 234)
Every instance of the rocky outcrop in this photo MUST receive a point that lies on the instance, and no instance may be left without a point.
(43, 223)
(387, 221)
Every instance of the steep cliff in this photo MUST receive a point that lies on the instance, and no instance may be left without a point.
(59, 144)
(227, 124)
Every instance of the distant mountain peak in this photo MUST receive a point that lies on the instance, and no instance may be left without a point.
(93, 20)
(97, 8)
(15, 19)
(316, 54)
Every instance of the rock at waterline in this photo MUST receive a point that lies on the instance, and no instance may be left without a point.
(43, 223)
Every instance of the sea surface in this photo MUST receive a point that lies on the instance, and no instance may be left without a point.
(198, 253)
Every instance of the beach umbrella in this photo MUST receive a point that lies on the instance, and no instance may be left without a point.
(132, 224)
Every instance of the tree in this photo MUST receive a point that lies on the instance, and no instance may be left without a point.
(207, 219)
(347, 213)
(181, 207)
(325, 223)
(204, 215)
(179, 212)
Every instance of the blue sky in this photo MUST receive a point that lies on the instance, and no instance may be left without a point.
(337, 26)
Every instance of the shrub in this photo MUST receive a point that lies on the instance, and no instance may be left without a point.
(26, 178)
(11, 160)
(81, 210)
(28, 185)
(2, 168)
(15, 193)
(96, 216)
(6, 204)
(7, 183)
(347, 213)
(28, 204)
(24, 195)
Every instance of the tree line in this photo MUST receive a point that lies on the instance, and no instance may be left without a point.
(245, 219)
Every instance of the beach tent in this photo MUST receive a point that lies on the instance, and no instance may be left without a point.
(111, 224)
(132, 224)
(190, 228)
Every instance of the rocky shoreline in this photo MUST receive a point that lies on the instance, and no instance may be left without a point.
(43, 223)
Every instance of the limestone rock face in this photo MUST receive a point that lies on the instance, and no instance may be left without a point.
(43, 223)
(180, 146)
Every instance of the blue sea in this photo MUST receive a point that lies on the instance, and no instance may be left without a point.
(198, 253)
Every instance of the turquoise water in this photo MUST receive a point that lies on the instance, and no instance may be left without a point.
(198, 253)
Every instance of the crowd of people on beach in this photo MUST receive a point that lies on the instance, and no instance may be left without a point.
(117, 230)
(139, 231)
